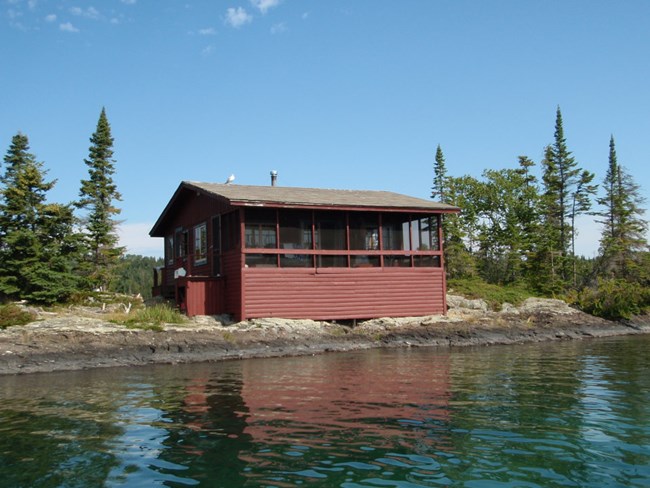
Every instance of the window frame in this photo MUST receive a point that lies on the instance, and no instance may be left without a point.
(200, 232)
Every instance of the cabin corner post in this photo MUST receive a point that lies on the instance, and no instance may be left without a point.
(441, 240)
(242, 265)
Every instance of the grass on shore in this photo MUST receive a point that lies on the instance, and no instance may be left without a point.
(150, 318)
(494, 295)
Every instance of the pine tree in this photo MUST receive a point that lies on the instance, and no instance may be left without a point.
(97, 196)
(36, 254)
(566, 195)
(624, 228)
(439, 188)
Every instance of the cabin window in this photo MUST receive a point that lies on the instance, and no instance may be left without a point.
(261, 228)
(181, 243)
(169, 249)
(425, 234)
(330, 231)
(364, 231)
(201, 244)
(395, 232)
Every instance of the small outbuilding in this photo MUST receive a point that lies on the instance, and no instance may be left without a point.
(272, 251)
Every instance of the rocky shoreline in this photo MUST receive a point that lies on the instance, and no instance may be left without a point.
(72, 341)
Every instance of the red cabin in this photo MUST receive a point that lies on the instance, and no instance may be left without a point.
(271, 251)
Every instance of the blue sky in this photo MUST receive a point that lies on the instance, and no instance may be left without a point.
(330, 93)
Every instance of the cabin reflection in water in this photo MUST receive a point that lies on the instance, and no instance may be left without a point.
(271, 406)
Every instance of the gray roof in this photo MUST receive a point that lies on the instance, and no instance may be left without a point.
(315, 197)
(283, 196)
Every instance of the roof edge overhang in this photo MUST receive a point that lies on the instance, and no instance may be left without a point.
(183, 186)
(312, 206)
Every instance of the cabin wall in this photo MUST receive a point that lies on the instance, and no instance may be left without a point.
(232, 264)
(204, 296)
(200, 292)
(191, 210)
(332, 293)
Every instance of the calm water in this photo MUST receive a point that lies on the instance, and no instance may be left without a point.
(569, 414)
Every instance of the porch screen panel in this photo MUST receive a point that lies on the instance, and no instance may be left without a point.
(425, 234)
(260, 228)
(330, 231)
(395, 232)
(295, 229)
(364, 231)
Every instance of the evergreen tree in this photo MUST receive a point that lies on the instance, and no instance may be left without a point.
(623, 239)
(458, 261)
(439, 188)
(38, 240)
(97, 196)
(566, 194)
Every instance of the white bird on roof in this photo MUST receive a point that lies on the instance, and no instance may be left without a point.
(230, 179)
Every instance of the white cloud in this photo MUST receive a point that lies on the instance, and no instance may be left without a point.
(32, 4)
(278, 28)
(129, 2)
(264, 5)
(207, 50)
(305, 15)
(208, 31)
(50, 18)
(135, 237)
(237, 17)
(68, 27)
(90, 12)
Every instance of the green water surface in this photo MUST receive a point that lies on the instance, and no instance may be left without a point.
(554, 414)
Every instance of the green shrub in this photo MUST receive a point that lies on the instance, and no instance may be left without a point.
(615, 299)
(11, 314)
(494, 295)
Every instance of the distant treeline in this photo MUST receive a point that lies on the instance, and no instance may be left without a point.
(517, 228)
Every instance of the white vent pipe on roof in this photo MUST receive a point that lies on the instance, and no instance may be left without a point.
(274, 177)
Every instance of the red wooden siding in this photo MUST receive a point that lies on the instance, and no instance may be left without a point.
(204, 296)
(231, 267)
(343, 293)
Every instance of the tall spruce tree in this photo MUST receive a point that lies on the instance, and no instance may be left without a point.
(439, 188)
(624, 228)
(566, 195)
(38, 244)
(98, 195)
(458, 261)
